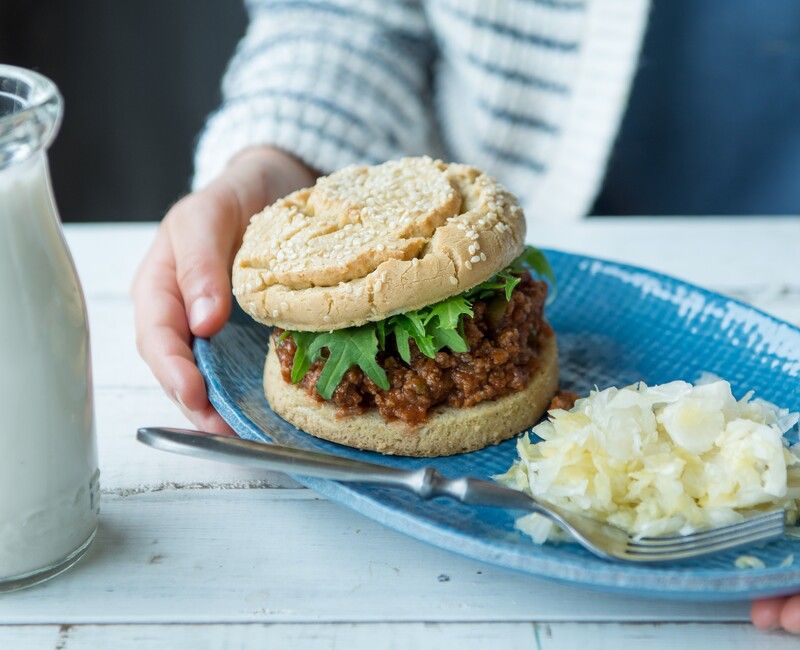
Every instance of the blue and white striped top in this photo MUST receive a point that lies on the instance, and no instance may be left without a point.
(530, 90)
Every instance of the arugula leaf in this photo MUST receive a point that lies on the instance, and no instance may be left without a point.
(511, 282)
(535, 259)
(354, 346)
(302, 360)
(401, 336)
(451, 339)
(504, 281)
(415, 322)
(448, 312)
(425, 325)
(409, 326)
(426, 345)
(380, 330)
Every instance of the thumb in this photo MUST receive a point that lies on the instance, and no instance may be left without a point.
(204, 230)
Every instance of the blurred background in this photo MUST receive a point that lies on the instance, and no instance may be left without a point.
(138, 79)
(712, 125)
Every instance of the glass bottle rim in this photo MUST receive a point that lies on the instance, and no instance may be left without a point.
(30, 113)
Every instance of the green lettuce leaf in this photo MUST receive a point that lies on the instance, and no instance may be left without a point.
(380, 331)
(354, 346)
(505, 281)
(449, 339)
(448, 312)
(411, 326)
(401, 336)
(535, 259)
(302, 360)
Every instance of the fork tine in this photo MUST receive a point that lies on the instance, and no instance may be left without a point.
(748, 535)
(694, 553)
(712, 533)
(693, 550)
(712, 542)
(678, 556)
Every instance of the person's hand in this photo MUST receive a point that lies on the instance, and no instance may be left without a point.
(776, 613)
(183, 289)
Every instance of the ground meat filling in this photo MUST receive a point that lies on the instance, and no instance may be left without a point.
(563, 399)
(503, 338)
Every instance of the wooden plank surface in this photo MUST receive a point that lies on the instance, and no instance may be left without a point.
(239, 555)
(128, 467)
(719, 253)
(396, 636)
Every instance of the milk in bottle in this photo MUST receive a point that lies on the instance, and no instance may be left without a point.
(48, 460)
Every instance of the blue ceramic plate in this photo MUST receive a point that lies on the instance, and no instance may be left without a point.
(615, 324)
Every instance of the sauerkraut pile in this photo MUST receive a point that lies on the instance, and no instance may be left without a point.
(657, 460)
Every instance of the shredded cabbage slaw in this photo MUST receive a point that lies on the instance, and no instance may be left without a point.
(658, 460)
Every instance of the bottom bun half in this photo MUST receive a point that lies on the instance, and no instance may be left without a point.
(447, 431)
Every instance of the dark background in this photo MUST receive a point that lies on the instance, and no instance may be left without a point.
(139, 78)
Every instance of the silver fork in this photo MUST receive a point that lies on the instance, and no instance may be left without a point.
(604, 540)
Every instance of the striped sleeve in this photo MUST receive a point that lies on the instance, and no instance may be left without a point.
(533, 92)
(333, 82)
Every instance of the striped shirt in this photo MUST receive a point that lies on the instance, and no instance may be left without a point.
(530, 90)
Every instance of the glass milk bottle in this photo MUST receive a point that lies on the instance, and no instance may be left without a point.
(48, 458)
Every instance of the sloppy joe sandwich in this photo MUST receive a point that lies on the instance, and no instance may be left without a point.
(407, 310)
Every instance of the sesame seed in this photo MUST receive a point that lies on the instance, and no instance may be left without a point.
(474, 259)
(453, 280)
(471, 249)
(483, 257)
(468, 265)
(274, 313)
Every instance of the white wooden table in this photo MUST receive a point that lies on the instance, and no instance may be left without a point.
(199, 555)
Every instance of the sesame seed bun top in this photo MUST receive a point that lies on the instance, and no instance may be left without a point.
(368, 242)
